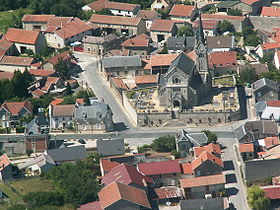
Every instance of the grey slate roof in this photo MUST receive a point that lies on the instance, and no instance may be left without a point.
(198, 139)
(220, 42)
(181, 42)
(207, 204)
(40, 161)
(265, 83)
(110, 147)
(121, 61)
(260, 106)
(184, 63)
(67, 153)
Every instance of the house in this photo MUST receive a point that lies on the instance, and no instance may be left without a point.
(223, 63)
(271, 113)
(209, 204)
(161, 174)
(186, 141)
(226, 6)
(38, 125)
(268, 47)
(159, 63)
(7, 48)
(35, 22)
(67, 154)
(41, 73)
(251, 131)
(121, 25)
(62, 31)
(50, 63)
(207, 164)
(14, 63)
(277, 59)
(149, 16)
(122, 65)
(145, 81)
(271, 192)
(53, 85)
(97, 116)
(166, 194)
(38, 165)
(220, 43)
(253, 7)
(118, 84)
(265, 89)
(6, 75)
(139, 45)
(183, 12)
(160, 4)
(247, 151)
(199, 187)
(12, 112)
(209, 27)
(26, 40)
(37, 142)
(214, 149)
(128, 175)
(110, 147)
(6, 172)
(179, 44)
(61, 116)
(106, 165)
(162, 29)
(125, 197)
(99, 45)
(262, 105)
(116, 8)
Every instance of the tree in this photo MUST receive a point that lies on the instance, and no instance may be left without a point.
(38, 199)
(104, 11)
(185, 31)
(224, 27)
(248, 75)
(62, 68)
(85, 95)
(164, 49)
(268, 58)
(69, 100)
(212, 137)
(29, 152)
(144, 148)
(163, 13)
(164, 144)
(272, 75)
(250, 36)
(235, 12)
(257, 199)
(68, 90)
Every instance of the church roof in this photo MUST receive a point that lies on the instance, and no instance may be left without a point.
(184, 63)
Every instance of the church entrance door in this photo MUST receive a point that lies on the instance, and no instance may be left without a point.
(176, 104)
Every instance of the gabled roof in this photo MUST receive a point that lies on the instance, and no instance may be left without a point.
(202, 181)
(180, 42)
(67, 153)
(204, 156)
(36, 18)
(37, 93)
(63, 110)
(264, 82)
(105, 4)
(270, 45)
(16, 61)
(114, 20)
(146, 79)
(197, 139)
(270, 12)
(147, 14)
(271, 113)
(21, 36)
(246, 148)
(222, 17)
(155, 168)
(4, 161)
(116, 191)
(61, 56)
(222, 59)
(211, 148)
(220, 42)
(122, 61)
(5, 45)
(187, 168)
(127, 175)
(41, 72)
(181, 10)
(49, 82)
(167, 193)
(271, 141)
(162, 59)
(207, 204)
(119, 83)
(249, 2)
(108, 165)
(15, 107)
(271, 192)
(184, 63)
(138, 41)
(162, 25)
(207, 24)
(274, 103)
(96, 205)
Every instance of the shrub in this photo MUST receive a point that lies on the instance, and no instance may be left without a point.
(20, 129)
(164, 144)
(37, 199)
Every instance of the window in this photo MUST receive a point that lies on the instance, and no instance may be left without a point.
(176, 80)
(207, 188)
(125, 72)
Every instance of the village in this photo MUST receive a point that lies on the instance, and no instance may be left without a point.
(165, 104)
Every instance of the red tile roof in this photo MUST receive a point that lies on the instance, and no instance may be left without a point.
(221, 17)
(37, 93)
(104, 4)
(50, 81)
(156, 168)
(114, 20)
(4, 161)
(41, 72)
(162, 25)
(162, 59)
(138, 41)
(108, 165)
(187, 168)
(15, 107)
(63, 110)
(21, 36)
(97, 5)
(271, 141)
(181, 10)
(211, 148)
(127, 175)
(5, 45)
(119, 83)
(249, 2)
(275, 103)
(202, 181)
(270, 45)
(61, 56)
(91, 206)
(204, 156)
(222, 59)
(168, 192)
(207, 24)
(120, 52)
(272, 192)
(116, 191)
(6, 75)
(36, 18)
(146, 79)
(147, 14)
(270, 12)
(246, 147)
(16, 61)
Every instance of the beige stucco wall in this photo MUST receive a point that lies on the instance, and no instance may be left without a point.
(31, 25)
(12, 68)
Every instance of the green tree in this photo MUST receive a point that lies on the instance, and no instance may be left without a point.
(250, 36)
(272, 75)
(164, 144)
(224, 26)
(20, 83)
(256, 198)
(212, 137)
(62, 68)
(235, 12)
(38, 199)
(185, 31)
(68, 90)
(85, 95)
(268, 58)
(104, 11)
(248, 75)
(144, 148)
(163, 13)
(69, 100)
(17, 207)
(29, 152)
(164, 49)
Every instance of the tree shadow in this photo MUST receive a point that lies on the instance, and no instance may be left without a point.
(231, 206)
(228, 165)
(231, 178)
(232, 191)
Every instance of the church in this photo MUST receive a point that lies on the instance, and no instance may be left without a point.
(187, 83)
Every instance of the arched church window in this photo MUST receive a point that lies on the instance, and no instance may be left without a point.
(176, 80)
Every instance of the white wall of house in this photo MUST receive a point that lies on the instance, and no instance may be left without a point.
(259, 51)
(20, 46)
(54, 41)
(218, 50)
(276, 60)
(34, 25)
(124, 13)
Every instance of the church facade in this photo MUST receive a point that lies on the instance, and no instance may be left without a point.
(187, 83)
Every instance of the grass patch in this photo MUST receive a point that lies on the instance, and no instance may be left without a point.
(225, 81)
(12, 18)
(14, 197)
(34, 184)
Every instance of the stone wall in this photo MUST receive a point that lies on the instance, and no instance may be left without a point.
(260, 169)
(265, 23)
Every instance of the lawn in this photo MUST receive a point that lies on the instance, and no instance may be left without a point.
(225, 81)
(11, 18)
